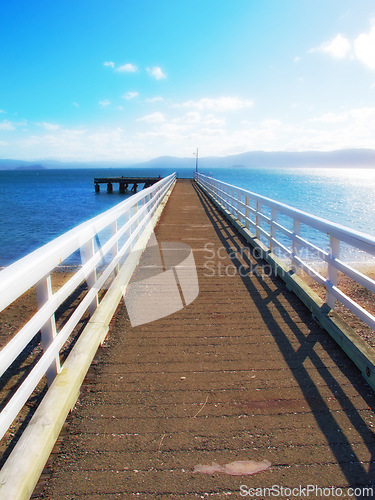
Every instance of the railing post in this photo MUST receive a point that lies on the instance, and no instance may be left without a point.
(143, 203)
(89, 250)
(147, 199)
(247, 212)
(127, 233)
(115, 246)
(238, 211)
(150, 201)
(295, 245)
(215, 190)
(135, 223)
(257, 220)
(48, 330)
(273, 229)
(242, 218)
(334, 252)
(231, 201)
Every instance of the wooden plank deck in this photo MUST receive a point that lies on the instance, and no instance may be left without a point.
(244, 372)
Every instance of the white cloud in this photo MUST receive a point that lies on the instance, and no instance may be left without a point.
(157, 73)
(364, 115)
(2, 111)
(271, 124)
(104, 103)
(361, 49)
(127, 68)
(338, 47)
(155, 99)
(130, 95)
(75, 104)
(364, 47)
(219, 104)
(49, 126)
(153, 118)
(212, 132)
(109, 63)
(192, 117)
(330, 118)
(353, 119)
(7, 125)
(211, 121)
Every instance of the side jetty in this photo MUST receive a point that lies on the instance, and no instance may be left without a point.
(124, 183)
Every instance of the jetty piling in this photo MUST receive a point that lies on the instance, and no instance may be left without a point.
(124, 183)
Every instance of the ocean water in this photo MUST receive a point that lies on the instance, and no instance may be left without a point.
(37, 206)
(344, 196)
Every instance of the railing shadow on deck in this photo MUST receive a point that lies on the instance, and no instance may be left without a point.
(350, 464)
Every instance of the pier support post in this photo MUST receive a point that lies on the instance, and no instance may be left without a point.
(122, 187)
(97, 188)
(109, 187)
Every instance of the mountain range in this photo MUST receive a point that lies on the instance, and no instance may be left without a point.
(345, 158)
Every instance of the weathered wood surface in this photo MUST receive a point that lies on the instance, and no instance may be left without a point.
(242, 373)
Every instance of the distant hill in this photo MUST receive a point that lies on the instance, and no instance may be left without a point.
(349, 158)
(13, 164)
(346, 158)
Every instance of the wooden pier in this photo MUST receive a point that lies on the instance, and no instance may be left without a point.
(244, 372)
(124, 183)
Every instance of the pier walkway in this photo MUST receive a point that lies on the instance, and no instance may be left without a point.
(242, 373)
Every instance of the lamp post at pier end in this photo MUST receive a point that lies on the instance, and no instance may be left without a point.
(196, 161)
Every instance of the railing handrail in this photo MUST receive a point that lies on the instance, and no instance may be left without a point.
(344, 233)
(35, 270)
(229, 196)
(18, 277)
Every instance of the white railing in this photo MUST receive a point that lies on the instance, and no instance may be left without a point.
(117, 229)
(268, 220)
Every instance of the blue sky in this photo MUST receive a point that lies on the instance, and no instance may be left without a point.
(124, 80)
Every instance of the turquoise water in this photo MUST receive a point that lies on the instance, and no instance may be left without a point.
(344, 196)
(37, 206)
